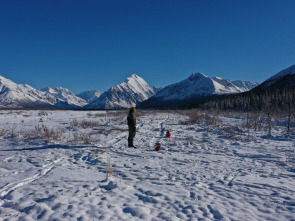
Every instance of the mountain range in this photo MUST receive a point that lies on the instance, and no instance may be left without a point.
(197, 88)
(14, 95)
(66, 96)
(135, 91)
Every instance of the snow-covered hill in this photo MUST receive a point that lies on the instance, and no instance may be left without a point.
(281, 74)
(89, 96)
(127, 94)
(283, 79)
(197, 87)
(66, 96)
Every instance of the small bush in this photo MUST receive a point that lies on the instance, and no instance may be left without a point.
(84, 124)
(81, 138)
(198, 116)
(2, 132)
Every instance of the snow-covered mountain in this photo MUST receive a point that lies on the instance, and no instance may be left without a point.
(235, 86)
(14, 95)
(196, 88)
(66, 96)
(281, 80)
(127, 94)
(89, 96)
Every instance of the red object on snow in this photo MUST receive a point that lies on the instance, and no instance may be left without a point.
(158, 147)
(168, 134)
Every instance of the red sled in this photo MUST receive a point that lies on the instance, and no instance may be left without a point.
(168, 134)
(158, 147)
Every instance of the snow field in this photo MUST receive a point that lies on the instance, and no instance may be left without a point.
(203, 172)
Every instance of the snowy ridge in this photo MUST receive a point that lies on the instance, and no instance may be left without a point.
(89, 96)
(22, 95)
(127, 94)
(195, 89)
(199, 84)
(245, 85)
(281, 74)
(66, 96)
(284, 79)
(14, 95)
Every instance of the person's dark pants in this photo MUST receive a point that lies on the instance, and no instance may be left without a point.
(131, 136)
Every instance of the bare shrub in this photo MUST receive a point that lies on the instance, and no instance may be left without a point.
(99, 115)
(3, 132)
(49, 133)
(232, 132)
(13, 132)
(89, 114)
(74, 123)
(81, 138)
(107, 131)
(198, 116)
(110, 171)
(43, 113)
(94, 114)
(142, 113)
(84, 124)
(195, 116)
(253, 121)
(29, 135)
(41, 132)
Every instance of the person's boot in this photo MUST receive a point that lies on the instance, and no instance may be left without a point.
(132, 144)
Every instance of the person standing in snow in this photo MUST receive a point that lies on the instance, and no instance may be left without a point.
(131, 121)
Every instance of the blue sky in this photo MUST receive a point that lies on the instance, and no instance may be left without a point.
(96, 44)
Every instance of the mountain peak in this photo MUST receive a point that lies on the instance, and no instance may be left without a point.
(196, 88)
(48, 89)
(133, 77)
(5, 80)
(127, 94)
(197, 76)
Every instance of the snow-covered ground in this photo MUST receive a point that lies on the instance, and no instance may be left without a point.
(74, 165)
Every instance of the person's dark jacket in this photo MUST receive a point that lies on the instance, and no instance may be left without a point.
(131, 120)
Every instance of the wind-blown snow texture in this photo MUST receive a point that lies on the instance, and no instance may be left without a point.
(203, 172)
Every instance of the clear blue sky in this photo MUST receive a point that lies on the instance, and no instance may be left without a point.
(96, 44)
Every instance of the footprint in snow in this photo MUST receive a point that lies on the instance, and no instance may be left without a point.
(110, 186)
